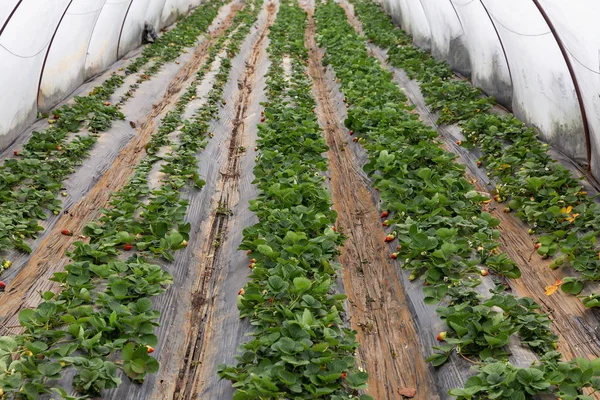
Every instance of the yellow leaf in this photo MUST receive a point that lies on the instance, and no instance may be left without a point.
(553, 288)
(572, 218)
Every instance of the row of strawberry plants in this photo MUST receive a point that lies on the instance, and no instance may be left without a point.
(444, 236)
(164, 205)
(300, 348)
(541, 191)
(103, 310)
(30, 182)
(148, 223)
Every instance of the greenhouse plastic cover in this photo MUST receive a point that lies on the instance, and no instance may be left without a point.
(49, 48)
(508, 49)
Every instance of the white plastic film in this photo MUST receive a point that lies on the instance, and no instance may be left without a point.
(63, 71)
(446, 34)
(173, 10)
(23, 46)
(543, 92)
(6, 8)
(409, 14)
(487, 63)
(576, 23)
(154, 13)
(102, 51)
(48, 48)
(131, 34)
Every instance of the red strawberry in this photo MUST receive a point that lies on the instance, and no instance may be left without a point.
(241, 292)
(59, 147)
(479, 163)
(66, 232)
(251, 265)
(333, 228)
(344, 99)
(355, 139)
(384, 214)
(394, 256)
(252, 260)
(343, 375)
(2, 285)
(351, 133)
(262, 119)
(107, 104)
(249, 252)
(127, 247)
(458, 142)
(398, 247)
(484, 272)
(441, 336)
(389, 238)
(224, 102)
(150, 349)
(16, 152)
(538, 245)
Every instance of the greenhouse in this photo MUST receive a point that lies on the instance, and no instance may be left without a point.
(297, 199)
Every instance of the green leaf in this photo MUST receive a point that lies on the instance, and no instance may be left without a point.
(120, 289)
(357, 380)
(266, 250)
(277, 284)
(572, 285)
(49, 369)
(127, 351)
(437, 359)
(301, 284)
(26, 317)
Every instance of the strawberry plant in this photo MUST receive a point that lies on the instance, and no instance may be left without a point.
(436, 215)
(31, 180)
(102, 321)
(539, 190)
(300, 348)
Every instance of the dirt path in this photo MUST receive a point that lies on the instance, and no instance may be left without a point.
(49, 257)
(390, 349)
(207, 342)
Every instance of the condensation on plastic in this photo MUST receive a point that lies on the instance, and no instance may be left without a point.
(512, 55)
(48, 48)
(64, 69)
